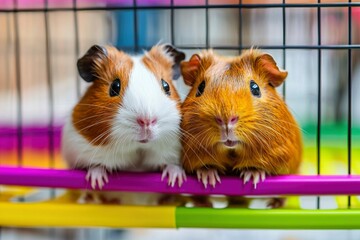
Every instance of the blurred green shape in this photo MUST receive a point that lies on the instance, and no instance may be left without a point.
(267, 218)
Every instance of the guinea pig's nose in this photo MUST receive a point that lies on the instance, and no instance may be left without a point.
(145, 122)
(233, 120)
(219, 121)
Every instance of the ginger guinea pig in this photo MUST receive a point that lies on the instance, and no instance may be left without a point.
(129, 117)
(234, 121)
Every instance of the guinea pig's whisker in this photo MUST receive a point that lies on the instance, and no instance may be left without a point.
(102, 142)
(90, 147)
(195, 153)
(122, 141)
(196, 128)
(268, 122)
(251, 140)
(292, 124)
(94, 124)
(258, 123)
(118, 143)
(126, 146)
(94, 116)
(107, 132)
(259, 140)
(205, 141)
(199, 144)
(95, 105)
(276, 133)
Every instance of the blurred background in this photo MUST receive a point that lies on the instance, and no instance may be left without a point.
(39, 83)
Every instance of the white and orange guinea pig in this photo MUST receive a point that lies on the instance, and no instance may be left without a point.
(234, 121)
(129, 117)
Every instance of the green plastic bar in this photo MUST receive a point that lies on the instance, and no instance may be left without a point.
(267, 218)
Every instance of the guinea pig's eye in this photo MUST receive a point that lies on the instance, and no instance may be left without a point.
(115, 88)
(200, 89)
(165, 86)
(254, 88)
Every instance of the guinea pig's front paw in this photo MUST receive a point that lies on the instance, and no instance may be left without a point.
(210, 176)
(97, 175)
(256, 174)
(174, 172)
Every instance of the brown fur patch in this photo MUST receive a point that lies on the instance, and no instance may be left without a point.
(160, 64)
(93, 115)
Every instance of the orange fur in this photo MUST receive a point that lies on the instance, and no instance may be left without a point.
(93, 115)
(270, 137)
(159, 64)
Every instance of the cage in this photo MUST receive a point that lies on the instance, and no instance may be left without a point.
(316, 41)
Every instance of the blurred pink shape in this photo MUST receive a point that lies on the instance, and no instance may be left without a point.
(356, 14)
(189, 2)
(153, 2)
(62, 3)
(31, 3)
(217, 2)
(6, 4)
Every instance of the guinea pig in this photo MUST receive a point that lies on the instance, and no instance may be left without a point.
(129, 117)
(234, 121)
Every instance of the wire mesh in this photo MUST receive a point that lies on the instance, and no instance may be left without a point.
(135, 7)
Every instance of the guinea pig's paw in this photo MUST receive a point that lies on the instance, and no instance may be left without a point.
(206, 176)
(97, 176)
(174, 172)
(256, 174)
(276, 202)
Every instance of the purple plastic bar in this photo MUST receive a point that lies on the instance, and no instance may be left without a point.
(151, 182)
(33, 137)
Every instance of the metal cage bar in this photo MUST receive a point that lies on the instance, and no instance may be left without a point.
(49, 88)
(136, 36)
(349, 96)
(77, 47)
(284, 44)
(318, 127)
(18, 87)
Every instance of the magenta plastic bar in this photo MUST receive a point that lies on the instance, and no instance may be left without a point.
(150, 182)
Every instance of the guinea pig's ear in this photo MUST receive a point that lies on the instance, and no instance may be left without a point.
(266, 64)
(190, 69)
(87, 63)
(178, 56)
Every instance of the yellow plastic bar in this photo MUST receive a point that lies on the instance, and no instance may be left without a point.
(77, 215)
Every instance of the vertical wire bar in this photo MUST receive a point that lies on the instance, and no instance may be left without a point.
(207, 24)
(49, 87)
(136, 42)
(19, 128)
(284, 44)
(77, 47)
(172, 32)
(349, 95)
(318, 130)
(8, 47)
(240, 27)
(7, 75)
